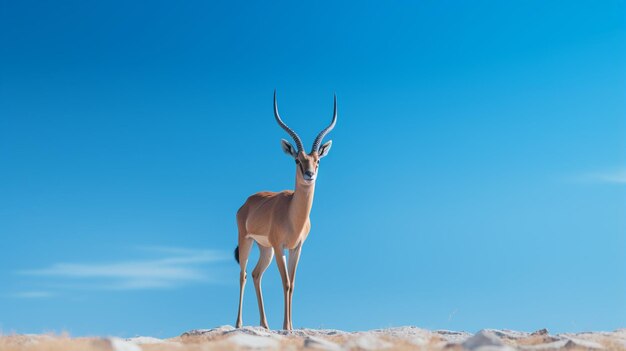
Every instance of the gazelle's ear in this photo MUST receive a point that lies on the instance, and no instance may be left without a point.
(325, 148)
(288, 148)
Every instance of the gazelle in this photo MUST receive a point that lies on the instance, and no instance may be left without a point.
(278, 221)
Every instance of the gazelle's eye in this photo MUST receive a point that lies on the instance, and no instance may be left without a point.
(297, 161)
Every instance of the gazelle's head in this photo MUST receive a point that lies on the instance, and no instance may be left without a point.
(307, 164)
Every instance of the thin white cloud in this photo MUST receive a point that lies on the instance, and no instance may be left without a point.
(174, 267)
(31, 294)
(614, 176)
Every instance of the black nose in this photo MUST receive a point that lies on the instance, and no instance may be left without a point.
(308, 174)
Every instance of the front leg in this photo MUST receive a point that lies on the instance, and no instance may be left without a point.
(282, 268)
(294, 257)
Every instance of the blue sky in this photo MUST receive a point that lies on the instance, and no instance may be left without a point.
(477, 177)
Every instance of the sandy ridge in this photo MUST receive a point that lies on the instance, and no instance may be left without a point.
(401, 338)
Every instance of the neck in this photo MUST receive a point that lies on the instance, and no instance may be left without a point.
(301, 203)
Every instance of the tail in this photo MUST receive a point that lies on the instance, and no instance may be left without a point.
(237, 254)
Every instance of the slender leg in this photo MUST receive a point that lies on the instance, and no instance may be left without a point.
(294, 257)
(265, 258)
(282, 268)
(244, 252)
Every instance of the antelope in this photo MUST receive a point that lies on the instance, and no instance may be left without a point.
(280, 220)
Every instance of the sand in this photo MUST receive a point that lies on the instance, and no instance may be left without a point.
(256, 338)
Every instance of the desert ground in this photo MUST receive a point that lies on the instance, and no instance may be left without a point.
(255, 338)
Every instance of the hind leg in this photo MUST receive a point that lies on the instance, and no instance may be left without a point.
(267, 253)
(244, 251)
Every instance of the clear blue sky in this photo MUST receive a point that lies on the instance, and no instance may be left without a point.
(477, 177)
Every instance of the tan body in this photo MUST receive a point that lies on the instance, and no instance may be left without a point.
(280, 221)
(256, 219)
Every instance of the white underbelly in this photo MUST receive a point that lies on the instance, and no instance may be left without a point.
(261, 239)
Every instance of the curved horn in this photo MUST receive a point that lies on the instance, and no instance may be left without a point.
(282, 124)
(322, 134)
